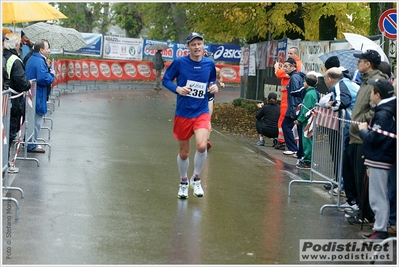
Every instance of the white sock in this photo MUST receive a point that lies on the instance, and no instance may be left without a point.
(199, 162)
(261, 138)
(183, 167)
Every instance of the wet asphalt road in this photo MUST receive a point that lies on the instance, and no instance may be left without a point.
(107, 194)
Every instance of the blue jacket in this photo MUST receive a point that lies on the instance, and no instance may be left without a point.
(295, 83)
(380, 150)
(36, 68)
(343, 95)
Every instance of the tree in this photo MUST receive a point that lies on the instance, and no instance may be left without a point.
(166, 21)
(85, 17)
(129, 17)
(222, 22)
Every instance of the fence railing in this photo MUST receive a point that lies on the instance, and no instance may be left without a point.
(327, 152)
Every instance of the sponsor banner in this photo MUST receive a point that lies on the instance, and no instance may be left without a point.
(261, 55)
(244, 63)
(310, 54)
(230, 53)
(252, 61)
(181, 50)
(89, 70)
(345, 250)
(272, 53)
(94, 43)
(123, 48)
(282, 50)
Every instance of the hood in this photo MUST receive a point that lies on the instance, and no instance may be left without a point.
(388, 104)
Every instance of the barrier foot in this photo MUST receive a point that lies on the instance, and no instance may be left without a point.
(307, 182)
(15, 188)
(32, 159)
(16, 205)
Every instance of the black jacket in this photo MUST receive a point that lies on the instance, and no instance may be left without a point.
(379, 149)
(18, 81)
(269, 114)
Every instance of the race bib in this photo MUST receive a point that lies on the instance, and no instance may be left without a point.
(198, 89)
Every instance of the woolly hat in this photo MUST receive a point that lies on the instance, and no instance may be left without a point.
(332, 62)
(291, 61)
(272, 95)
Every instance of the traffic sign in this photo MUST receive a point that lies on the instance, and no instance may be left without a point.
(387, 23)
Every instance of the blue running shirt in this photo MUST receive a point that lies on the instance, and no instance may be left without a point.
(197, 75)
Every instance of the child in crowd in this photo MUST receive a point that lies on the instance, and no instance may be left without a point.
(309, 102)
(380, 152)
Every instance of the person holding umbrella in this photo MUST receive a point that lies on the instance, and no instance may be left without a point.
(159, 65)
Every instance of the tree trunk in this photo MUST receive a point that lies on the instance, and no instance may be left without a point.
(179, 19)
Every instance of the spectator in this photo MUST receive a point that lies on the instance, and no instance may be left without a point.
(379, 152)
(285, 78)
(309, 101)
(17, 81)
(159, 65)
(211, 100)
(295, 83)
(385, 68)
(343, 96)
(26, 45)
(267, 119)
(333, 62)
(362, 112)
(195, 75)
(37, 68)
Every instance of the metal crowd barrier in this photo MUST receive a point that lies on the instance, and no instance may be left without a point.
(29, 125)
(6, 112)
(327, 151)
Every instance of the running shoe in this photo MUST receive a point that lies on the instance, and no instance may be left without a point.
(303, 166)
(196, 185)
(289, 152)
(261, 143)
(183, 191)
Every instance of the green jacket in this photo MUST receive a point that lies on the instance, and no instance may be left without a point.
(309, 101)
(362, 111)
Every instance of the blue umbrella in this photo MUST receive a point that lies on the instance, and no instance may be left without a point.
(346, 58)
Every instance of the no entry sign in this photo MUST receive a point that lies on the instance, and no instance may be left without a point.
(387, 23)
